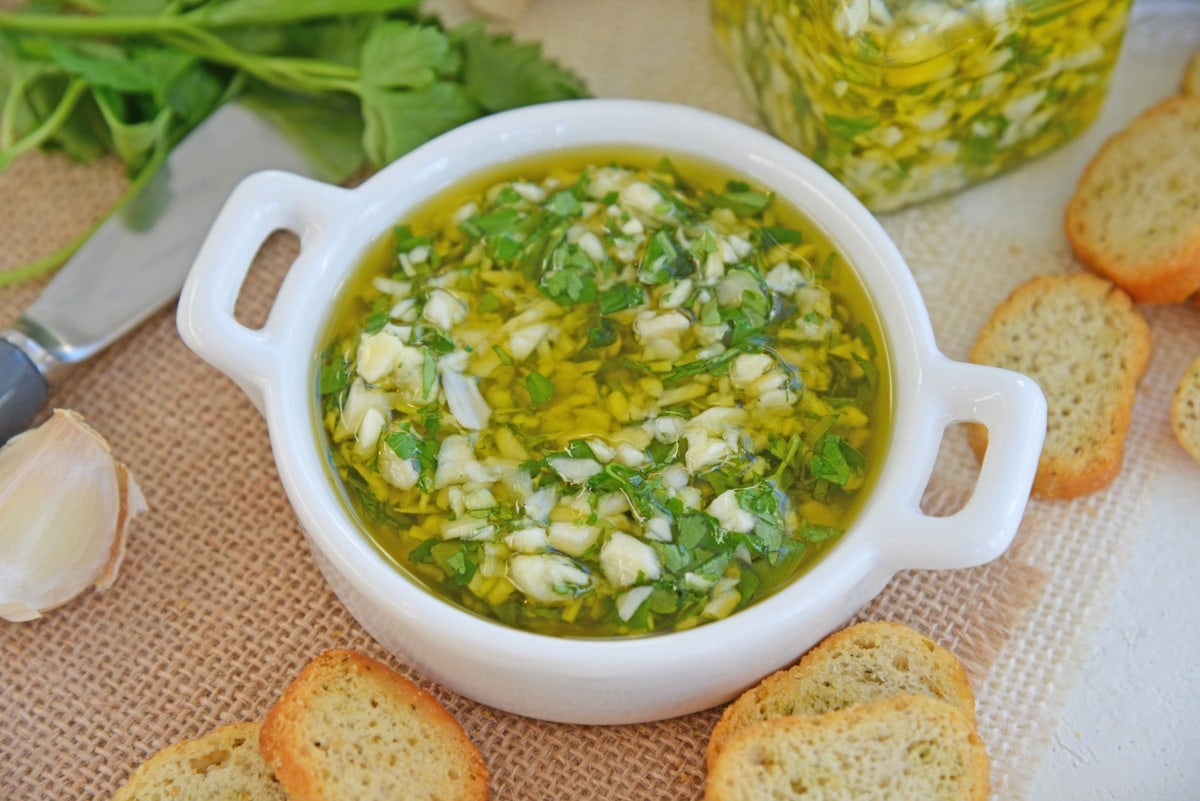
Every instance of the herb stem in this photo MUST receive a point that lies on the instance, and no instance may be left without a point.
(793, 449)
(48, 126)
(53, 260)
(80, 25)
(279, 72)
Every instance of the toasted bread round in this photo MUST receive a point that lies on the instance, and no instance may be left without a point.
(1135, 214)
(860, 664)
(1191, 76)
(349, 727)
(903, 748)
(1185, 410)
(1086, 345)
(225, 763)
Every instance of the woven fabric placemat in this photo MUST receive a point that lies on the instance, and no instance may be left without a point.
(219, 603)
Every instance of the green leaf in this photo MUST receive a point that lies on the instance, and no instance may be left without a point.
(500, 74)
(335, 374)
(850, 127)
(404, 444)
(620, 296)
(541, 389)
(744, 202)
(664, 260)
(492, 223)
(601, 335)
(182, 82)
(828, 462)
(569, 286)
(694, 527)
(458, 559)
(565, 204)
(488, 302)
(134, 142)
(402, 55)
(398, 121)
(102, 65)
(504, 356)
(335, 152)
(812, 532)
(770, 236)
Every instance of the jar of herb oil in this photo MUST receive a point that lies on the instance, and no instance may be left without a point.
(906, 100)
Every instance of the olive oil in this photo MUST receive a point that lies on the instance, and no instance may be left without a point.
(604, 394)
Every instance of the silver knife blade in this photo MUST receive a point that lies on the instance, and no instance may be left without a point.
(137, 260)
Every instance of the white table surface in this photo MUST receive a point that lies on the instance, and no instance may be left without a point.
(1131, 729)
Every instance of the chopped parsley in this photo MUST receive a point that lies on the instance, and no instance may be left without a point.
(652, 434)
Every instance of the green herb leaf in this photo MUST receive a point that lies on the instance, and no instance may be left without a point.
(828, 460)
(101, 65)
(398, 121)
(740, 199)
(541, 389)
(488, 302)
(812, 532)
(620, 296)
(335, 374)
(569, 286)
(565, 204)
(400, 55)
(504, 356)
(601, 335)
(375, 322)
(850, 127)
(500, 74)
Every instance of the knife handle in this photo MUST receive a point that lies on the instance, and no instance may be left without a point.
(22, 390)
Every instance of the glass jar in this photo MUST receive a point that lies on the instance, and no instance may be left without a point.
(905, 100)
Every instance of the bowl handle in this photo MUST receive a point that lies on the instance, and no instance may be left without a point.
(263, 203)
(1013, 409)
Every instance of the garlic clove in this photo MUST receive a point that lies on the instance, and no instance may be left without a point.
(65, 507)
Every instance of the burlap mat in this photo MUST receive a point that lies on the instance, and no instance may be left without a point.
(219, 603)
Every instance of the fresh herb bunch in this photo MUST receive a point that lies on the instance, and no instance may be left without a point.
(354, 82)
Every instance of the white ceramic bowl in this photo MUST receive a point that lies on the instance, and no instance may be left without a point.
(604, 681)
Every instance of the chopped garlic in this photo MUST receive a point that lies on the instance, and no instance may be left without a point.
(626, 560)
(631, 600)
(729, 514)
(572, 538)
(575, 471)
(548, 578)
(444, 310)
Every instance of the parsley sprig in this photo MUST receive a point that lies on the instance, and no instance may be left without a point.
(354, 82)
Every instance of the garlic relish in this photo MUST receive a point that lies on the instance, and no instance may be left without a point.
(904, 100)
(599, 399)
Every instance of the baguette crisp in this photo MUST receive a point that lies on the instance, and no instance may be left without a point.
(349, 727)
(1191, 76)
(1135, 214)
(223, 764)
(904, 748)
(1086, 345)
(1185, 410)
(860, 664)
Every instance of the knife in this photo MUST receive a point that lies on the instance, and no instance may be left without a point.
(136, 262)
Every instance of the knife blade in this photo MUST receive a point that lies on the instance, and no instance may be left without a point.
(136, 262)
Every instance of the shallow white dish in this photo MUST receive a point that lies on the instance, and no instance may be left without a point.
(604, 681)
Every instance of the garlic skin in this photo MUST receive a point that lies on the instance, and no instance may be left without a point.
(65, 505)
